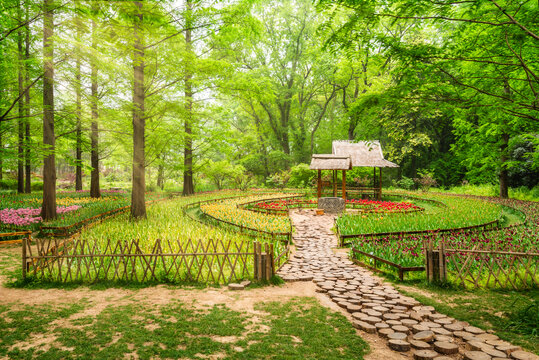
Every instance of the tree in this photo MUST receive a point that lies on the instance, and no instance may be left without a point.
(48, 209)
(94, 177)
(138, 204)
(188, 187)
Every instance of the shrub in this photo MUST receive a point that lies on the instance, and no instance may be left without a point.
(405, 183)
(301, 176)
(425, 180)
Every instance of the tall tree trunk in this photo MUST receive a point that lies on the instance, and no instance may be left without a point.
(138, 205)
(48, 209)
(28, 167)
(78, 111)
(160, 176)
(188, 186)
(20, 145)
(504, 181)
(94, 180)
(20, 120)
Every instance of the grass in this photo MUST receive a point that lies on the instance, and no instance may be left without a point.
(296, 329)
(521, 193)
(512, 315)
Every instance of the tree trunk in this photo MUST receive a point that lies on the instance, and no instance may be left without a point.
(138, 205)
(188, 187)
(48, 210)
(94, 180)
(160, 175)
(504, 186)
(28, 168)
(20, 145)
(78, 112)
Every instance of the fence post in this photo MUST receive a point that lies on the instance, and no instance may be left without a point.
(24, 242)
(272, 260)
(435, 262)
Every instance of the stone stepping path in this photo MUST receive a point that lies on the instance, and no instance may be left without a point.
(378, 308)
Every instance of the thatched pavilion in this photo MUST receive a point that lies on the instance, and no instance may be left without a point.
(348, 154)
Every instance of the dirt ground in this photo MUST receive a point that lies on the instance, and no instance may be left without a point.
(243, 301)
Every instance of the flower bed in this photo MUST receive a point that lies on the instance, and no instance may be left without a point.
(407, 250)
(457, 213)
(21, 211)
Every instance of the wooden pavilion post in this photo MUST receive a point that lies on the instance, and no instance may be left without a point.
(374, 183)
(334, 183)
(344, 185)
(319, 183)
(380, 184)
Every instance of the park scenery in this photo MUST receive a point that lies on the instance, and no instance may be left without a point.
(275, 179)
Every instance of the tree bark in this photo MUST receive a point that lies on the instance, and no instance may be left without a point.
(95, 191)
(20, 145)
(28, 167)
(188, 187)
(78, 111)
(504, 181)
(48, 209)
(138, 205)
(160, 174)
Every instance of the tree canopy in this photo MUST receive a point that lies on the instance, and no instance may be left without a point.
(196, 94)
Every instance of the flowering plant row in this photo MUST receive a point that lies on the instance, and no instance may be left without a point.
(228, 210)
(21, 211)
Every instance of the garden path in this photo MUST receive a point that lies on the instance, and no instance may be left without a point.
(375, 307)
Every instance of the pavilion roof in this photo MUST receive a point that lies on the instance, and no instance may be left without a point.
(362, 153)
(330, 162)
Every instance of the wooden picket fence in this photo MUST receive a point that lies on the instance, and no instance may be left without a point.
(481, 268)
(492, 269)
(208, 261)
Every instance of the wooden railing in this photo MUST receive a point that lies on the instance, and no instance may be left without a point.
(208, 261)
(15, 237)
(345, 240)
(375, 260)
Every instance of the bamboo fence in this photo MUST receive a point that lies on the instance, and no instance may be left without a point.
(210, 261)
(492, 269)
(15, 237)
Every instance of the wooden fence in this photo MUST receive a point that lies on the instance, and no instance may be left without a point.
(345, 240)
(492, 269)
(375, 261)
(15, 237)
(209, 261)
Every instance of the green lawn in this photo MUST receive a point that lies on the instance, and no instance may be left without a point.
(296, 329)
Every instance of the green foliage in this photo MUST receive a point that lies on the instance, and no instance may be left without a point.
(405, 183)
(301, 176)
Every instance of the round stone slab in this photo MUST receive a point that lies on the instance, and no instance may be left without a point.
(474, 330)
(399, 345)
(420, 345)
(523, 355)
(426, 336)
(454, 327)
(446, 348)
(476, 355)
(396, 336)
(425, 354)
(385, 332)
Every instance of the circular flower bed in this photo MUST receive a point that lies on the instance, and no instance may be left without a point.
(382, 206)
